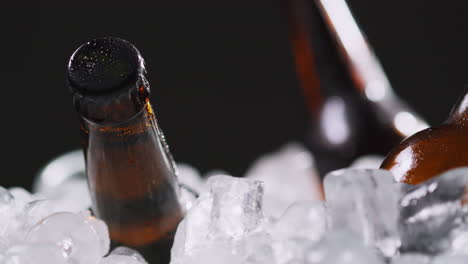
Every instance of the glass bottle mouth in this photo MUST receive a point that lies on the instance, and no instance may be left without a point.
(106, 77)
(459, 112)
(104, 65)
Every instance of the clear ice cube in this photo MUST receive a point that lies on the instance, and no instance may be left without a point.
(216, 253)
(304, 220)
(70, 165)
(364, 201)
(125, 251)
(237, 205)
(367, 162)
(289, 175)
(432, 214)
(34, 253)
(21, 195)
(190, 177)
(187, 197)
(120, 259)
(450, 259)
(101, 231)
(302, 225)
(257, 248)
(341, 248)
(13, 218)
(78, 239)
(221, 218)
(411, 259)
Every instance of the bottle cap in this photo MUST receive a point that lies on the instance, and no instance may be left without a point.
(106, 77)
(104, 65)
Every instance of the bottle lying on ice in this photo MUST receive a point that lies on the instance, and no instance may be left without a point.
(130, 171)
(434, 150)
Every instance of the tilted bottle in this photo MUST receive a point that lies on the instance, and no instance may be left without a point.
(434, 150)
(131, 174)
(353, 109)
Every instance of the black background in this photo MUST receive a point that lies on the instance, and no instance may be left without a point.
(223, 83)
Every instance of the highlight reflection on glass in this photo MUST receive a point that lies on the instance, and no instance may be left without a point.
(334, 122)
(434, 150)
(366, 67)
(353, 109)
(407, 123)
(404, 162)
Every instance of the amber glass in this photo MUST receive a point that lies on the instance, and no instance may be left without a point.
(351, 104)
(434, 150)
(130, 171)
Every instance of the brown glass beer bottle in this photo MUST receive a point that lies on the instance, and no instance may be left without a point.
(131, 174)
(434, 150)
(353, 109)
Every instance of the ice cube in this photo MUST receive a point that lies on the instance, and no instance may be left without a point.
(72, 233)
(289, 175)
(367, 162)
(237, 205)
(125, 251)
(459, 240)
(302, 225)
(432, 214)
(343, 248)
(364, 201)
(216, 253)
(221, 218)
(71, 195)
(411, 259)
(12, 218)
(192, 232)
(304, 219)
(21, 212)
(21, 195)
(60, 169)
(34, 253)
(450, 259)
(190, 177)
(257, 248)
(5, 197)
(37, 210)
(120, 259)
(187, 197)
(3, 246)
(101, 230)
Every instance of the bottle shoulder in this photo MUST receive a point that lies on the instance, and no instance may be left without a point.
(428, 153)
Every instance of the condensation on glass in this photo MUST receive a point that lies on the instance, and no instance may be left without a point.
(131, 174)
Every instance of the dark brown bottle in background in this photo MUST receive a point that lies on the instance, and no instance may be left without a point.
(131, 174)
(434, 150)
(353, 109)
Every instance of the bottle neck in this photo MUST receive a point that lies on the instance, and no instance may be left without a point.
(459, 113)
(132, 178)
(321, 68)
(115, 107)
(129, 159)
(138, 125)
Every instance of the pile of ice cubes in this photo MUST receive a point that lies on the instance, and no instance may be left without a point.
(54, 225)
(275, 215)
(39, 230)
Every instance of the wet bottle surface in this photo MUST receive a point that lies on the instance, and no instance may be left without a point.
(352, 107)
(434, 150)
(131, 174)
